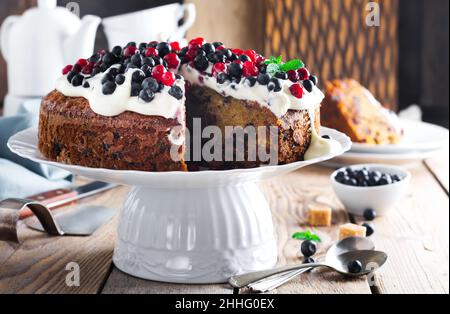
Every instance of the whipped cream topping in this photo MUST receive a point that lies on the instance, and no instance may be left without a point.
(120, 101)
(278, 102)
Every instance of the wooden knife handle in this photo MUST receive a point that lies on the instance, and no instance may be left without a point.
(49, 197)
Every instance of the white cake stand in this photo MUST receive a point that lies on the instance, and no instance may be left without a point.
(189, 227)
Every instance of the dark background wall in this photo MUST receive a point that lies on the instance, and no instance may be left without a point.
(423, 42)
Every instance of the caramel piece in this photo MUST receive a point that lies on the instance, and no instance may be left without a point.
(351, 230)
(319, 216)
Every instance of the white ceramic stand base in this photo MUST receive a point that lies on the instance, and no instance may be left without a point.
(202, 235)
(189, 227)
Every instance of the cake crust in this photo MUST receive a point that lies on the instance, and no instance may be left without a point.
(70, 132)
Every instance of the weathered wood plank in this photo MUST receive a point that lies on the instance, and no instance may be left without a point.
(415, 236)
(439, 167)
(39, 264)
(288, 197)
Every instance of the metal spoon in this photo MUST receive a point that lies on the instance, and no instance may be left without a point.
(343, 246)
(370, 260)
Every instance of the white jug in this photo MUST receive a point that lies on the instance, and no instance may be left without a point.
(38, 44)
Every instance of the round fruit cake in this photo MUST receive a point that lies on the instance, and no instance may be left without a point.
(136, 108)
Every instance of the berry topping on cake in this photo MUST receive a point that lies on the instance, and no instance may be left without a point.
(172, 60)
(67, 69)
(296, 90)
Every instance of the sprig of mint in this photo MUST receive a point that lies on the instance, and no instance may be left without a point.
(306, 235)
(275, 65)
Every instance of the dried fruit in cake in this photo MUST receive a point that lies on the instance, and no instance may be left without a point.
(353, 110)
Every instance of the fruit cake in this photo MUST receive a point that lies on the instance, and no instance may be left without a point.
(353, 110)
(135, 108)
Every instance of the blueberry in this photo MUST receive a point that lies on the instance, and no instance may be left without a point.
(157, 60)
(142, 46)
(135, 89)
(369, 229)
(313, 79)
(308, 85)
(308, 260)
(176, 92)
(183, 51)
(274, 85)
(281, 75)
(327, 137)
(308, 248)
(340, 176)
(108, 88)
(107, 77)
(217, 44)
(395, 178)
(227, 53)
(130, 66)
(136, 60)
(113, 71)
(244, 58)
(354, 267)
(120, 78)
(148, 61)
(152, 44)
(117, 50)
(222, 78)
(76, 68)
(147, 70)
(138, 77)
(263, 78)
(94, 58)
(163, 48)
(151, 84)
(131, 43)
(208, 48)
(109, 58)
(200, 52)
(86, 83)
(146, 95)
(77, 80)
(211, 57)
(218, 57)
(70, 76)
(201, 63)
(250, 81)
(235, 70)
(369, 214)
(95, 71)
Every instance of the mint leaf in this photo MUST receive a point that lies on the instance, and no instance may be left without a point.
(307, 235)
(279, 59)
(292, 65)
(273, 68)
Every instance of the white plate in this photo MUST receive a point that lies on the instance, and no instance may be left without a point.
(407, 160)
(25, 145)
(419, 137)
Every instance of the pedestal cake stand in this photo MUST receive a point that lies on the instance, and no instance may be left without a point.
(189, 227)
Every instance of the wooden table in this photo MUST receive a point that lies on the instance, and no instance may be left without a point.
(415, 235)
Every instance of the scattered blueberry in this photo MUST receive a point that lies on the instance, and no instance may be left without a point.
(308, 85)
(250, 81)
(108, 88)
(369, 229)
(201, 63)
(222, 78)
(151, 84)
(309, 260)
(135, 89)
(77, 80)
(327, 137)
(217, 44)
(354, 267)
(110, 58)
(281, 75)
(117, 50)
(244, 58)
(274, 85)
(163, 48)
(369, 214)
(138, 76)
(70, 76)
(107, 77)
(86, 83)
(136, 60)
(149, 61)
(208, 48)
(367, 178)
(120, 78)
(313, 79)
(235, 70)
(308, 248)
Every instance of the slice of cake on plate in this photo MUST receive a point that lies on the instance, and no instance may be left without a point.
(353, 110)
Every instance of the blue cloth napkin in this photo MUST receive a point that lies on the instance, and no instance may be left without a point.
(20, 177)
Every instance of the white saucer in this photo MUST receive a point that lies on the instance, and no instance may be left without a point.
(419, 137)
(189, 227)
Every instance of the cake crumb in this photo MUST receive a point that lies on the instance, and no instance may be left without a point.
(351, 230)
(319, 215)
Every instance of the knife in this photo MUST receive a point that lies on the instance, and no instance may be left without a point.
(60, 197)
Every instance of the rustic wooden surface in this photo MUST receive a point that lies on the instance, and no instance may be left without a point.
(415, 235)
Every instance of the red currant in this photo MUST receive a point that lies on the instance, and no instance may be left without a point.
(172, 60)
(168, 78)
(293, 75)
(82, 62)
(218, 67)
(249, 69)
(158, 72)
(129, 51)
(303, 74)
(175, 45)
(237, 51)
(252, 54)
(151, 52)
(196, 43)
(67, 69)
(296, 90)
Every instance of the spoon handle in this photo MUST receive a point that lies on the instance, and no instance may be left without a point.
(270, 284)
(240, 281)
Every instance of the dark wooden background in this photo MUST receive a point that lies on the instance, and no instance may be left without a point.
(423, 46)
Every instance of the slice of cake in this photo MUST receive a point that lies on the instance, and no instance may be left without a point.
(353, 110)
(122, 109)
(129, 109)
